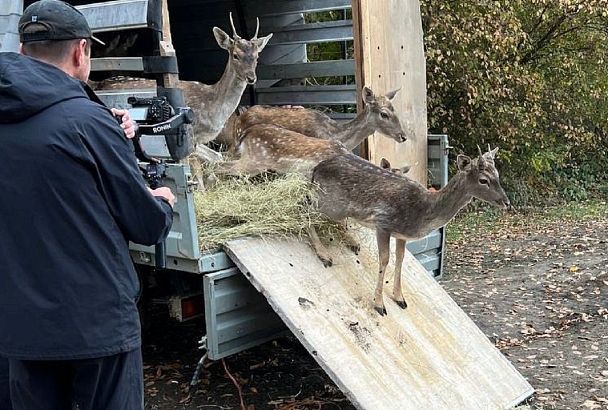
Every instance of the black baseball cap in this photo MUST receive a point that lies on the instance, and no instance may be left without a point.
(54, 20)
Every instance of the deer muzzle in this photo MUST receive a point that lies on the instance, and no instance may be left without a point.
(505, 204)
(251, 78)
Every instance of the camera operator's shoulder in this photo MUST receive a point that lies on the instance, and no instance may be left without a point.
(94, 119)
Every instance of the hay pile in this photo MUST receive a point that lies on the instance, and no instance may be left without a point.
(262, 206)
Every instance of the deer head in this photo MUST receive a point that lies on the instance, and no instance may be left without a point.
(242, 53)
(385, 164)
(482, 179)
(382, 114)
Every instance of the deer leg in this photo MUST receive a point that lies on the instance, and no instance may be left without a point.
(206, 154)
(238, 167)
(397, 292)
(196, 168)
(352, 244)
(383, 239)
(319, 248)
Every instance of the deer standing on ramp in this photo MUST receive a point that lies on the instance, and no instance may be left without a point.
(378, 115)
(350, 187)
(212, 104)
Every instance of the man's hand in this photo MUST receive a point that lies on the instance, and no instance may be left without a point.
(127, 123)
(164, 192)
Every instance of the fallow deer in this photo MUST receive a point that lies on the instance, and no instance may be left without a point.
(378, 115)
(266, 147)
(350, 187)
(212, 104)
(385, 164)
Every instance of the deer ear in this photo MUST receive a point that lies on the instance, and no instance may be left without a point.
(462, 162)
(261, 42)
(223, 39)
(493, 152)
(390, 95)
(368, 95)
(385, 164)
(406, 169)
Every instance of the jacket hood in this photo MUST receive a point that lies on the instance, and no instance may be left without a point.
(29, 86)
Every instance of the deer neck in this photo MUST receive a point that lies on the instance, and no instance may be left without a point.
(227, 93)
(353, 132)
(446, 203)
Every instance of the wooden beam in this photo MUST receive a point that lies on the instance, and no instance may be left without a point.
(166, 46)
(393, 57)
(359, 73)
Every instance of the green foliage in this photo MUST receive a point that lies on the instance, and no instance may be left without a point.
(528, 76)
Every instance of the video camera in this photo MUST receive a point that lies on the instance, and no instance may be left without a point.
(155, 117)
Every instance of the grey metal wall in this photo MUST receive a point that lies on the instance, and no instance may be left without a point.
(237, 316)
(10, 12)
(430, 250)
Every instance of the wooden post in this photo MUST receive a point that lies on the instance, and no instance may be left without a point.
(166, 46)
(390, 54)
(358, 43)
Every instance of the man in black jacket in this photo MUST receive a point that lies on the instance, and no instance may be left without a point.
(73, 198)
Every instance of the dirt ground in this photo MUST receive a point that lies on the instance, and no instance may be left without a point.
(535, 283)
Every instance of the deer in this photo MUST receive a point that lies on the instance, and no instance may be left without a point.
(267, 147)
(212, 104)
(385, 164)
(378, 115)
(296, 142)
(395, 205)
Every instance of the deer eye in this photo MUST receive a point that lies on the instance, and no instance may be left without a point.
(384, 115)
(235, 56)
(483, 181)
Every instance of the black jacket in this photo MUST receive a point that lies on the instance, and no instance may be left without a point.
(71, 197)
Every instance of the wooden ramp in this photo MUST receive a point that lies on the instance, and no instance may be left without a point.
(429, 356)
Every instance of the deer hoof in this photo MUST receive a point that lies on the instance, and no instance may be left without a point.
(381, 310)
(327, 262)
(356, 248)
(401, 303)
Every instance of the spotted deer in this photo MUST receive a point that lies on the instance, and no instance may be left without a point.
(212, 104)
(350, 187)
(266, 147)
(378, 115)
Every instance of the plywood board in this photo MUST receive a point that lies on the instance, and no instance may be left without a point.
(428, 356)
(390, 54)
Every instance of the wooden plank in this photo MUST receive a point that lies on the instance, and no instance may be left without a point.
(393, 57)
(359, 73)
(429, 356)
(166, 46)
